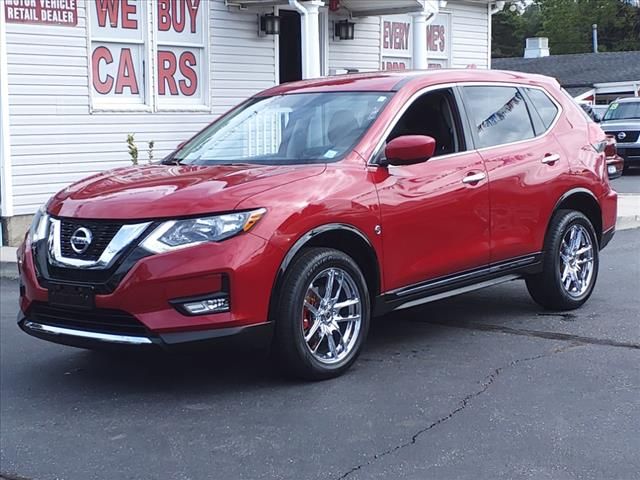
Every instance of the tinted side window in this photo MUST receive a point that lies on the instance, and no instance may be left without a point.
(498, 114)
(543, 104)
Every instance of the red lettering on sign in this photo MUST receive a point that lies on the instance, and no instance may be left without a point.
(394, 66)
(173, 14)
(193, 6)
(396, 35)
(126, 73)
(436, 38)
(107, 7)
(178, 25)
(99, 54)
(129, 9)
(164, 18)
(115, 8)
(386, 34)
(166, 72)
(188, 60)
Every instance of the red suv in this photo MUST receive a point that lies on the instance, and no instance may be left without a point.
(315, 205)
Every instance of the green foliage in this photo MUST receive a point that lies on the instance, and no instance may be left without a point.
(151, 145)
(133, 149)
(567, 24)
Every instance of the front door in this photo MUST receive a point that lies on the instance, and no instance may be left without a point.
(435, 220)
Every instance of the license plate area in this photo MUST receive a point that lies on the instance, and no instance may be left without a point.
(74, 296)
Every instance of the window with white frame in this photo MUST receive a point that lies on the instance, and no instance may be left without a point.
(124, 59)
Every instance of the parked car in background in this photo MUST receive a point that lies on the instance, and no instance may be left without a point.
(615, 163)
(591, 112)
(599, 110)
(622, 120)
(315, 205)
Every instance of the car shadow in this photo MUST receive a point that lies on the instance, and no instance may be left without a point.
(225, 368)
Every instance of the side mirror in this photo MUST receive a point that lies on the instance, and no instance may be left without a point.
(410, 149)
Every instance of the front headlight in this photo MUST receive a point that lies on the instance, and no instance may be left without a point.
(38, 229)
(176, 234)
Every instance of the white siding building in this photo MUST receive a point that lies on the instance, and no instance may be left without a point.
(78, 76)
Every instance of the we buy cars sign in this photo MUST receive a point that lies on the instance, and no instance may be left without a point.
(120, 55)
(48, 12)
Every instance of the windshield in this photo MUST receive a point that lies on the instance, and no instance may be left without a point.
(286, 130)
(621, 111)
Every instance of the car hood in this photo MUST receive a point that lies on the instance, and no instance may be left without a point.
(616, 125)
(162, 191)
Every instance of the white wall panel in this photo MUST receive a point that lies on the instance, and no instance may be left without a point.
(55, 138)
(470, 34)
(363, 52)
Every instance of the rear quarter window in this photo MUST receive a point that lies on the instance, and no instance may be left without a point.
(543, 105)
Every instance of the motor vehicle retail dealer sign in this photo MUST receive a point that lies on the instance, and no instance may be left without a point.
(47, 12)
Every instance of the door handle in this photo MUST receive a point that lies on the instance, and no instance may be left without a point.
(550, 159)
(474, 178)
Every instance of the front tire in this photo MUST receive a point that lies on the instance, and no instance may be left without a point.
(322, 314)
(570, 265)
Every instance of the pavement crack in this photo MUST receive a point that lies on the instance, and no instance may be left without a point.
(565, 337)
(567, 317)
(9, 476)
(484, 386)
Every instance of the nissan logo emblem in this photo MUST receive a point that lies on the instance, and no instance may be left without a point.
(81, 240)
(622, 136)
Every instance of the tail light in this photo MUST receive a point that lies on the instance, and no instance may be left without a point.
(610, 149)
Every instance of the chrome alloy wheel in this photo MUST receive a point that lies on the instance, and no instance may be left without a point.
(576, 260)
(331, 315)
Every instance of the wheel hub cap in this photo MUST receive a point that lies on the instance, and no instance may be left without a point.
(331, 315)
(576, 261)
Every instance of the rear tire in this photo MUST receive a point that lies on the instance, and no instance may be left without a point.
(570, 265)
(322, 315)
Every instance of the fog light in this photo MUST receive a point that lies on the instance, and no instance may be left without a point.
(202, 306)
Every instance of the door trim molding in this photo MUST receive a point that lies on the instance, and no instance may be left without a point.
(461, 282)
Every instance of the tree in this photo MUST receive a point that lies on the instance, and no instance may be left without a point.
(567, 24)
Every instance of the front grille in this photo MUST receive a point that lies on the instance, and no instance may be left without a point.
(629, 152)
(99, 320)
(631, 135)
(102, 232)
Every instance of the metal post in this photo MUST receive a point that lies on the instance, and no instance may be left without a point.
(594, 29)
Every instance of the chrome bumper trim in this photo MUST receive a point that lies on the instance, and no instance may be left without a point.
(102, 337)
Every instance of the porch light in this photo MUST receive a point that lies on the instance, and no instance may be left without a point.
(345, 30)
(270, 24)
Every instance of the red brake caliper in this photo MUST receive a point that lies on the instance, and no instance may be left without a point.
(306, 315)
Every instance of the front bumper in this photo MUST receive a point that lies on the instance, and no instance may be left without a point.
(141, 311)
(630, 152)
(254, 335)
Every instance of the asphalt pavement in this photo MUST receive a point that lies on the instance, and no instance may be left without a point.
(482, 386)
(629, 182)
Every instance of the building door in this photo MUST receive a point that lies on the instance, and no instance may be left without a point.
(290, 46)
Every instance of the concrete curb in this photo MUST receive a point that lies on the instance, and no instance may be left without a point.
(628, 218)
(8, 262)
(628, 211)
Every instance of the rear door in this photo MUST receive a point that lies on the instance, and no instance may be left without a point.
(512, 129)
